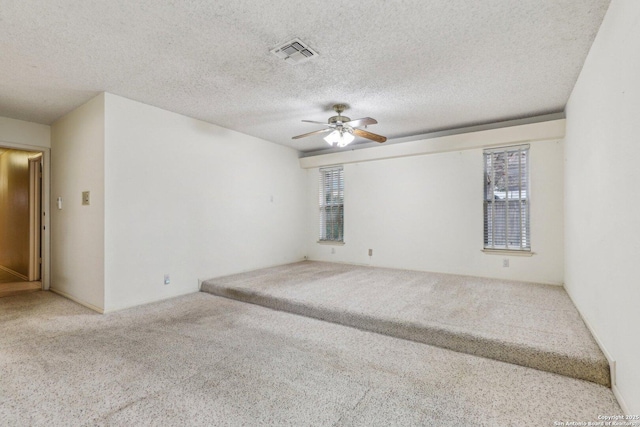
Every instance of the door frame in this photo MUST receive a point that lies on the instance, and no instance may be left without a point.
(35, 216)
(45, 214)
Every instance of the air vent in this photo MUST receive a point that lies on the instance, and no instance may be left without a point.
(294, 52)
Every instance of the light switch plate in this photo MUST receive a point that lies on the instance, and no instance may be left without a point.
(86, 199)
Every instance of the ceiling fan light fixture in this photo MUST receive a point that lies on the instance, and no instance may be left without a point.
(341, 139)
(345, 139)
(332, 138)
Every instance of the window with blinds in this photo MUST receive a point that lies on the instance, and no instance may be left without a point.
(506, 198)
(331, 202)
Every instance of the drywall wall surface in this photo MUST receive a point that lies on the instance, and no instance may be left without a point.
(426, 213)
(14, 211)
(602, 207)
(77, 230)
(24, 133)
(194, 201)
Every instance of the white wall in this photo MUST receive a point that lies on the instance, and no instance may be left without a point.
(24, 133)
(602, 206)
(77, 231)
(193, 200)
(424, 212)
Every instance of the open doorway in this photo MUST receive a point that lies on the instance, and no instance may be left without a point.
(20, 221)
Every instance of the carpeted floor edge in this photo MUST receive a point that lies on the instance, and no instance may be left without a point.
(595, 371)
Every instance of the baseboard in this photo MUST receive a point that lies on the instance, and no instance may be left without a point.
(76, 300)
(610, 359)
(149, 301)
(393, 267)
(15, 273)
(620, 399)
(304, 258)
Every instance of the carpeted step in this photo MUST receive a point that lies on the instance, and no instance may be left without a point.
(526, 324)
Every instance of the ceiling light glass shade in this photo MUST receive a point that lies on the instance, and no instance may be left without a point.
(341, 139)
(332, 138)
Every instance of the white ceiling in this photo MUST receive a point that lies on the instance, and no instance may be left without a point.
(416, 66)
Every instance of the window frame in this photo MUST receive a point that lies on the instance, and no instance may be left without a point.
(334, 205)
(523, 220)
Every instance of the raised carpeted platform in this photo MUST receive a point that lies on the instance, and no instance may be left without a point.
(526, 324)
(203, 360)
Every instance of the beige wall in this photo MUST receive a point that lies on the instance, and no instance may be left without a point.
(192, 200)
(601, 181)
(424, 212)
(77, 231)
(14, 211)
(169, 195)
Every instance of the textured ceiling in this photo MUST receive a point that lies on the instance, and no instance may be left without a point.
(416, 66)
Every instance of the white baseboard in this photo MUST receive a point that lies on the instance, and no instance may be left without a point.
(74, 299)
(122, 307)
(620, 399)
(610, 359)
(149, 301)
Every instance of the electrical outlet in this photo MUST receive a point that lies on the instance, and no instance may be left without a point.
(167, 279)
(505, 262)
(370, 252)
(86, 198)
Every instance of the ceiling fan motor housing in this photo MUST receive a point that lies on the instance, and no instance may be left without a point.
(335, 119)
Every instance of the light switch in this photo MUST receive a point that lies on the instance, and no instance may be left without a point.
(86, 200)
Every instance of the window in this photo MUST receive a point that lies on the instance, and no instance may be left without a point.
(331, 198)
(506, 198)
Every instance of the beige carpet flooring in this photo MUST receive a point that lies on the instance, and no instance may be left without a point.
(528, 324)
(205, 360)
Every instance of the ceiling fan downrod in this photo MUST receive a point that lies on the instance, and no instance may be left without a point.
(339, 119)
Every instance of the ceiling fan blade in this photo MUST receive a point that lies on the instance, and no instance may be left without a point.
(362, 122)
(369, 135)
(319, 123)
(312, 133)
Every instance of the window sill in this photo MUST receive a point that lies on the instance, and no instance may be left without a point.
(330, 242)
(508, 252)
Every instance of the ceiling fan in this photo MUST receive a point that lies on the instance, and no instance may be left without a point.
(343, 129)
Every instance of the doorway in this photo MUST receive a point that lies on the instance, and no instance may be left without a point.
(20, 221)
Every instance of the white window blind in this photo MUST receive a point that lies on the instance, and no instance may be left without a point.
(331, 202)
(506, 198)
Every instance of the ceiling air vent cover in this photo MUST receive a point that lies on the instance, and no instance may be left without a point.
(294, 52)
